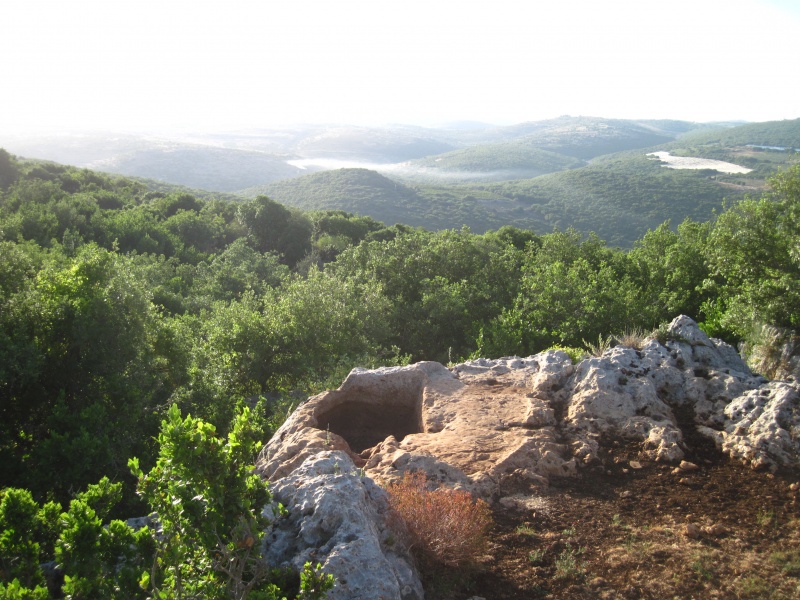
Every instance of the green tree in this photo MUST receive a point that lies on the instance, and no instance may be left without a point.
(755, 261)
(275, 228)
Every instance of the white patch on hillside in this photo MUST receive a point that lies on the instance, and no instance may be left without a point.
(688, 162)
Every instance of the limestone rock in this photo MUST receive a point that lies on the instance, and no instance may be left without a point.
(762, 426)
(485, 424)
(338, 518)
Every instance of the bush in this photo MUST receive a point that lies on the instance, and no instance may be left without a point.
(576, 355)
(444, 527)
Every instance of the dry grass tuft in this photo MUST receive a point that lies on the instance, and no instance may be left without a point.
(444, 527)
(632, 338)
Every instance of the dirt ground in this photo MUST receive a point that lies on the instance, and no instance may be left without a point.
(630, 528)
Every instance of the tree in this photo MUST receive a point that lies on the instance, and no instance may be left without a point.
(754, 256)
(275, 228)
(8, 169)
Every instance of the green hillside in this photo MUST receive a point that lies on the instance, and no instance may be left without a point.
(198, 166)
(587, 137)
(619, 198)
(770, 133)
(517, 159)
(366, 192)
(763, 147)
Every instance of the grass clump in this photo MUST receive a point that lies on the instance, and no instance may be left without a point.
(444, 527)
(633, 337)
(569, 564)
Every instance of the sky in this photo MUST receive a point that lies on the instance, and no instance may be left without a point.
(212, 65)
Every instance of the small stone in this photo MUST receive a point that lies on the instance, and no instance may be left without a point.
(676, 471)
(626, 494)
(685, 481)
(794, 487)
(635, 464)
(716, 530)
(508, 502)
(688, 466)
(626, 471)
(691, 531)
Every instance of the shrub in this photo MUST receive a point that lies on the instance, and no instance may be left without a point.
(576, 355)
(444, 527)
(603, 344)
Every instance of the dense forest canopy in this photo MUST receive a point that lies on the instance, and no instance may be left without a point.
(117, 302)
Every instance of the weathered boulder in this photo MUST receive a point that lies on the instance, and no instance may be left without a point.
(337, 517)
(762, 426)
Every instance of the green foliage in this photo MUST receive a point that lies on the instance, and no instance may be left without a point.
(208, 543)
(8, 169)
(314, 584)
(576, 355)
(274, 228)
(570, 290)
(442, 286)
(755, 266)
(20, 520)
(209, 503)
(16, 591)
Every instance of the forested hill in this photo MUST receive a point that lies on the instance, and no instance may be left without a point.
(619, 199)
(518, 182)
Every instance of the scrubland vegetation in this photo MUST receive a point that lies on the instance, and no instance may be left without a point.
(123, 310)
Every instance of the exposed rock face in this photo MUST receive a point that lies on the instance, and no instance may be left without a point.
(339, 518)
(487, 422)
(762, 426)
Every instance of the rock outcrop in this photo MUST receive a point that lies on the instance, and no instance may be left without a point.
(338, 517)
(485, 423)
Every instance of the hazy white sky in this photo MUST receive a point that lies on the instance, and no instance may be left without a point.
(211, 64)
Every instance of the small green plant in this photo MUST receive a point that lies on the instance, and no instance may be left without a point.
(569, 564)
(616, 520)
(576, 355)
(662, 335)
(569, 532)
(314, 584)
(766, 518)
(603, 344)
(536, 557)
(525, 529)
(446, 527)
(636, 546)
(703, 566)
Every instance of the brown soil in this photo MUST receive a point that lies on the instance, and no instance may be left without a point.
(620, 532)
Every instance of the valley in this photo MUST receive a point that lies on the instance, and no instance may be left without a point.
(592, 174)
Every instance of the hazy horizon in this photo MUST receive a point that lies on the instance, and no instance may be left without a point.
(161, 67)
